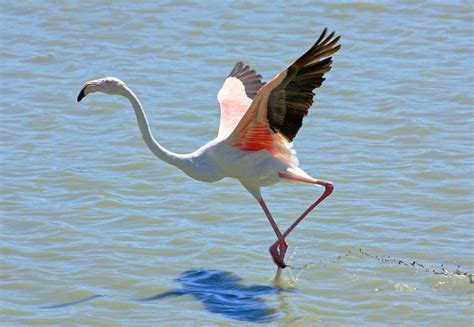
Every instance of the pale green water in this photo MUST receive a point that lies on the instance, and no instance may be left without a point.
(87, 210)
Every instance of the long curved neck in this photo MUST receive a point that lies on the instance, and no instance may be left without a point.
(175, 159)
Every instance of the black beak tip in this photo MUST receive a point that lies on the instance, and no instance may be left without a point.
(80, 96)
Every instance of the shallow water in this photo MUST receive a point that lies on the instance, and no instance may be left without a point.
(88, 212)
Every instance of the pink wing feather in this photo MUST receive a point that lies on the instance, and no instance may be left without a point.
(236, 95)
(277, 111)
(253, 132)
(276, 114)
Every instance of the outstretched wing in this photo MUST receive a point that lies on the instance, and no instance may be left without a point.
(236, 96)
(277, 112)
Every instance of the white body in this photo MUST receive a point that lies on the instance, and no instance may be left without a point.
(217, 160)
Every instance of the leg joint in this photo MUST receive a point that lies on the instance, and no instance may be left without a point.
(329, 186)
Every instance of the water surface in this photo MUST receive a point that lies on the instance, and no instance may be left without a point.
(87, 210)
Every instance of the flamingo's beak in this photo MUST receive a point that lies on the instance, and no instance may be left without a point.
(81, 94)
(89, 87)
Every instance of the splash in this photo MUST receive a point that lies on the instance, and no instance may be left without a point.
(442, 270)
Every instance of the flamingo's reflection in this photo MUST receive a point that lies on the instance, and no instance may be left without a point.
(220, 292)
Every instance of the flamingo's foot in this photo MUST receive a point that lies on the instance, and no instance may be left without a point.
(278, 252)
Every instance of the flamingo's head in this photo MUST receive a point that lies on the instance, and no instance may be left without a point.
(108, 85)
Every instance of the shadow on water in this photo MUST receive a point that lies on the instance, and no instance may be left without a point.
(220, 292)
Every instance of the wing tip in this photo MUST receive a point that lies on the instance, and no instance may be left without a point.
(331, 38)
(249, 77)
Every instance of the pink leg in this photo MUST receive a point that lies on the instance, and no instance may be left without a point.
(328, 188)
(278, 257)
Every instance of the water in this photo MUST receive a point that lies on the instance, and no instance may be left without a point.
(93, 224)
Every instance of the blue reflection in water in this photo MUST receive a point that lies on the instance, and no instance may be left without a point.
(72, 303)
(219, 291)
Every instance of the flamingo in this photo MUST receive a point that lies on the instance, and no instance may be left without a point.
(258, 123)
